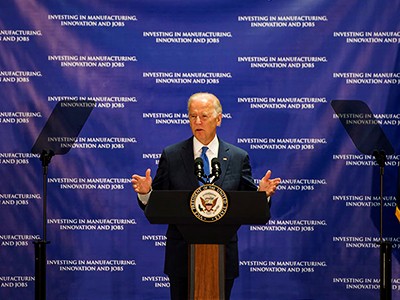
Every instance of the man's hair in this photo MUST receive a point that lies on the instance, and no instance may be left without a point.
(216, 102)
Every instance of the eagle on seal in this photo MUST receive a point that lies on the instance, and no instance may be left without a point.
(209, 203)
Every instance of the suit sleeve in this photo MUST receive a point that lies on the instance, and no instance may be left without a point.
(246, 179)
(161, 180)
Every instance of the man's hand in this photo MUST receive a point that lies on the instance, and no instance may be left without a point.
(268, 185)
(142, 185)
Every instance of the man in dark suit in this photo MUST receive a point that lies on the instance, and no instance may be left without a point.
(176, 172)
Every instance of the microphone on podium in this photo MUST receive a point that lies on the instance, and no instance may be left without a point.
(216, 168)
(199, 168)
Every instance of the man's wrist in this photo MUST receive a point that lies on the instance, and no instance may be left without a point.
(144, 198)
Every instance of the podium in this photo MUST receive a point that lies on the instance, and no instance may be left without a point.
(207, 239)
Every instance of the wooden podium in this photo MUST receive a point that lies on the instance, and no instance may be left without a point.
(207, 240)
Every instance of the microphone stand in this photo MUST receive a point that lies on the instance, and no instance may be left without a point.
(385, 246)
(40, 246)
(215, 172)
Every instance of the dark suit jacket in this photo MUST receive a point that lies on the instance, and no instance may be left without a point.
(176, 172)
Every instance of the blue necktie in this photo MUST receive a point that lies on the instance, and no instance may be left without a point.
(206, 162)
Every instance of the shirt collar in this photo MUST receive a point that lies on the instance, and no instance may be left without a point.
(212, 147)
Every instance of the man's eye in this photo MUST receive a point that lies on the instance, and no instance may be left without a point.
(193, 117)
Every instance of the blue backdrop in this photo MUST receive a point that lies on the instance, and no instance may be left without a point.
(275, 65)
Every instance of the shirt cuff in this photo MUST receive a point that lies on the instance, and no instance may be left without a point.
(144, 198)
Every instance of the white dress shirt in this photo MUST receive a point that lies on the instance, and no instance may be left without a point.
(212, 151)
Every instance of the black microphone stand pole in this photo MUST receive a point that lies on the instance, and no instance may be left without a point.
(385, 246)
(40, 245)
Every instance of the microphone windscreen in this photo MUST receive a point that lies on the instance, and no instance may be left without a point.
(198, 167)
(198, 161)
(216, 167)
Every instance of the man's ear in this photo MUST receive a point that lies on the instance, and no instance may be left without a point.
(219, 119)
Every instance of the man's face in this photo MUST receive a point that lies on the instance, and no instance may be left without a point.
(204, 119)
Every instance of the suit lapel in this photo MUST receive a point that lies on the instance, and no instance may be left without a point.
(224, 157)
(188, 161)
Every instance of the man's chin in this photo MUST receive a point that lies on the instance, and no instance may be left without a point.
(199, 135)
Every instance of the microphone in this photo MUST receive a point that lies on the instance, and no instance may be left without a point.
(216, 168)
(198, 168)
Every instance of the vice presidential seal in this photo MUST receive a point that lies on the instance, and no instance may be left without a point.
(209, 203)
